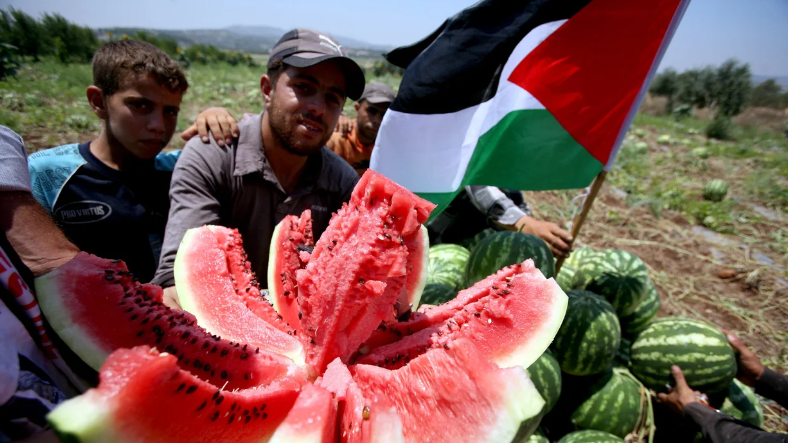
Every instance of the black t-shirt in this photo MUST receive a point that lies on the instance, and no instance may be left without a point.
(109, 213)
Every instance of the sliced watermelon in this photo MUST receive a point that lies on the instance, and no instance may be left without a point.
(291, 246)
(457, 392)
(312, 418)
(95, 307)
(418, 245)
(358, 269)
(143, 396)
(207, 288)
(512, 317)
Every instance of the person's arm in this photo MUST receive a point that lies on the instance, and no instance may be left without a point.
(773, 386)
(753, 373)
(195, 193)
(217, 121)
(493, 203)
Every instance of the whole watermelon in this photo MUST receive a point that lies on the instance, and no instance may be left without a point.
(742, 403)
(537, 437)
(621, 278)
(566, 276)
(507, 248)
(698, 348)
(447, 265)
(643, 314)
(622, 356)
(613, 405)
(715, 190)
(471, 242)
(589, 337)
(589, 436)
(436, 294)
(545, 373)
(584, 259)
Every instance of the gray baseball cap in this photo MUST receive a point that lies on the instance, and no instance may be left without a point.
(376, 92)
(302, 48)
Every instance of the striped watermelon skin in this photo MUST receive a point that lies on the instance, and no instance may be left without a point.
(589, 436)
(437, 293)
(742, 403)
(471, 242)
(590, 335)
(537, 437)
(622, 278)
(698, 348)
(507, 248)
(545, 373)
(447, 265)
(614, 405)
(624, 350)
(583, 259)
(566, 277)
(643, 315)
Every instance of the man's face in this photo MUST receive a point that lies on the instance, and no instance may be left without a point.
(369, 116)
(304, 106)
(142, 116)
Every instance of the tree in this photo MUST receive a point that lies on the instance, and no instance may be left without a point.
(734, 82)
(666, 85)
(25, 33)
(768, 94)
(72, 43)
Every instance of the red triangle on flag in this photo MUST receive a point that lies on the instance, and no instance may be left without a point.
(589, 71)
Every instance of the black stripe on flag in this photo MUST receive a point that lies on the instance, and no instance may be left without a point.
(459, 65)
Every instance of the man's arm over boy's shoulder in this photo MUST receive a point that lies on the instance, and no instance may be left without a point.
(198, 183)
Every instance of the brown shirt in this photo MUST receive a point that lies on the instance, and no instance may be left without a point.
(236, 187)
(351, 149)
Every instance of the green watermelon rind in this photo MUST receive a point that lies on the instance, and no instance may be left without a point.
(742, 403)
(507, 248)
(437, 293)
(594, 351)
(614, 406)
(545, 373)
(621, 278)
(84, 420)
(590, 436)
(698, 348)
(447, 264)
(643, 314)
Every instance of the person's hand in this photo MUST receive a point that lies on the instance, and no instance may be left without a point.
(344, 124)
(679, 397)
(218, 121)
(750, 367)
(558, 239)
(170, 298)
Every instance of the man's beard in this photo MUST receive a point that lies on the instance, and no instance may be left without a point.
(283, 127)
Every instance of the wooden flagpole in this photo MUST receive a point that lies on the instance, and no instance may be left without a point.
(577, 223)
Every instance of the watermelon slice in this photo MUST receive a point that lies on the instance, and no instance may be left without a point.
(358, 268)
(418, 245)
(95, 307)
(291, 246)
(461, 395)
(512, 317)
(144, 396)
(312, 418)
(208, 288)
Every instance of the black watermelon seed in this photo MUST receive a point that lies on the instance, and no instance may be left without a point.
(129, 310)
(262, 408)
(246, 376)
(219, 400)
(215, 395)
(231, 419)
(244, 356)
(158, 340)
(237, 344)
(108, 277)
(139, 334)
(247, 419)
(246, 412)
(191, 389)
(257, 351)
(145, 321)
(224, 352)
(224, 375)
(180, 388)
(265, 415)
(205, 345)
(202, 405)
(207, 367)
(232, 408)
(197, 364)
(244, 347)
(194, 340)
(134, 317)
(215, 416)
(214, 350)
(254, 410)
(186, 334)
(256, 415)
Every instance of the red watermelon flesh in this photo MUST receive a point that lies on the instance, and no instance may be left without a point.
(243, 278)
(143, 396)
(512, 325)
(452, 394)
(344, 292)
(290, 246)
(312, 418)
(96, 307)
(207, 288)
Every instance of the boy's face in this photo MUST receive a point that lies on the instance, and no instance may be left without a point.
(142, 116)
(369, 116)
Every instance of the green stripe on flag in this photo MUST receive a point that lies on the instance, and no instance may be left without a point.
(526, 150)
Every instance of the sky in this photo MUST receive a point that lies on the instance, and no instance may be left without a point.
(753, 31)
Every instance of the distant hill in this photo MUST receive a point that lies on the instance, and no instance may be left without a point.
(252, 39)
(781, 80)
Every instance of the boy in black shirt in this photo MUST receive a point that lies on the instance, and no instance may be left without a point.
(110, 196)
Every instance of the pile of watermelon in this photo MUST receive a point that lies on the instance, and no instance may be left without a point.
(337, 350)
(611, 350)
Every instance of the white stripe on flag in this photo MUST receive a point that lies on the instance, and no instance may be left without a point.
(430, 152)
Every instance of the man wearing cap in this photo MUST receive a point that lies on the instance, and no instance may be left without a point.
(356, 146)
(279, 164)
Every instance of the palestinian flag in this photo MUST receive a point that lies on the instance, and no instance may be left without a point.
(527, 95)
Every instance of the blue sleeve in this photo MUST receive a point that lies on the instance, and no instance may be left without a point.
(165, 161)
(50, 170)
(13, 173)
